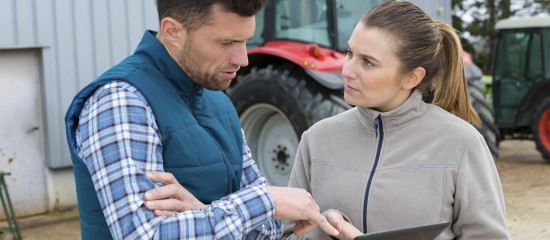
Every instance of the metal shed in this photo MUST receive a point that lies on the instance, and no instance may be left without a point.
(48, 51)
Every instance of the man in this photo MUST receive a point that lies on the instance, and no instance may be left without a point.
(157, 148)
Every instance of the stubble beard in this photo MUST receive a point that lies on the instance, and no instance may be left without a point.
(190, 64)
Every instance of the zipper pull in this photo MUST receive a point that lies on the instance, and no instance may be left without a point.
(376, 125)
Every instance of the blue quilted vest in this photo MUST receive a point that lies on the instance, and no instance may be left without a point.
(201, 135)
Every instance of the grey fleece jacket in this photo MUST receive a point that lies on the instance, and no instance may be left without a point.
(424, 166)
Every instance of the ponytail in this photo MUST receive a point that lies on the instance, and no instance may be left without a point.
(449, 83)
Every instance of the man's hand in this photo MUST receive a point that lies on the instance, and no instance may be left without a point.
(297, 204)
(347, 230)
(170, 198)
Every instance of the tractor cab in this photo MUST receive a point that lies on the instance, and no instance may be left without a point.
(521, 80)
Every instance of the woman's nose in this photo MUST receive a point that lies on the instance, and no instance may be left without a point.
(347, 71)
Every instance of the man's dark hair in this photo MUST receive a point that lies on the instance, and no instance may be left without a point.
(195, 13)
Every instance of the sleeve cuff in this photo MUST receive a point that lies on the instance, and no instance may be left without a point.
(254, 206)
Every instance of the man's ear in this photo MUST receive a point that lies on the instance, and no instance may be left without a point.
(414, 78)
(172, 30)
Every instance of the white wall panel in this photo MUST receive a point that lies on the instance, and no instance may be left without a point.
(21, 151)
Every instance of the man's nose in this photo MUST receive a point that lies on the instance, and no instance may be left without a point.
(240, 57)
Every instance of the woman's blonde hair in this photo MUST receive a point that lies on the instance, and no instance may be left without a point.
(432, 45)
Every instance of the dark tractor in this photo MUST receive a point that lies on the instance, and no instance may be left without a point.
(521, 80)
(294, 78)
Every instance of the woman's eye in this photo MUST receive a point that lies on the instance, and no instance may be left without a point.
(366, 61)
(349, 53)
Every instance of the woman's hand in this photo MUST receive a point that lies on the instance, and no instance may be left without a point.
(298, 205)
(346, 229)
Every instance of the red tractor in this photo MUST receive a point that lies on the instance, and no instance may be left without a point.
(294, 77)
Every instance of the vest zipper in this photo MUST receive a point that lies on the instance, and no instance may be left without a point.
(224, 157)
(379, 130)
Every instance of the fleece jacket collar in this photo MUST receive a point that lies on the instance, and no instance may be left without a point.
(407, 113)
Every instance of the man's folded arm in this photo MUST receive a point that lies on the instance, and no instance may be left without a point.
(119, 142)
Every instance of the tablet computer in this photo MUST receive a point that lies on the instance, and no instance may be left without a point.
(424, 232)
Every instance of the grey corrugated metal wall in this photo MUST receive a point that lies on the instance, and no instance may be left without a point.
(79, 39)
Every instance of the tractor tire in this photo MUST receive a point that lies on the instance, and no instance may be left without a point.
(486, 113)
(276, 104)
(540, 126)
(480, 95)
(476, 91)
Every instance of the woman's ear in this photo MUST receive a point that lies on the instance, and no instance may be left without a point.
(172, 31)
(414, 78)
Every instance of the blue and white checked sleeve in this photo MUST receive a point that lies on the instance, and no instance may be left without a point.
(119, 142)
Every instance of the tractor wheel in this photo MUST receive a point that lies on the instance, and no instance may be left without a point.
(276, 105)
(540, 126)
(488, 129)
(478, 93)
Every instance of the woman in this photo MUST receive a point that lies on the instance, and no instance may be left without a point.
(407, 154)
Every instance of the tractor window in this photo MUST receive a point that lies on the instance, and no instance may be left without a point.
(533, 72)
(257, 40)
(512, 50)
(519, 55)
(546, 47)
(349, 12)
(302, 21)
(308, 20)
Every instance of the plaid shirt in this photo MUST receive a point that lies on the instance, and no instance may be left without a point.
(119, 141)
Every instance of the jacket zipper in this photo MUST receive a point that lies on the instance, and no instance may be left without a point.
(191, 97)
(378, 128)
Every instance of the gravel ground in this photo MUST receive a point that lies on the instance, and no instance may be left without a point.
(524, 174)
(525, 178)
